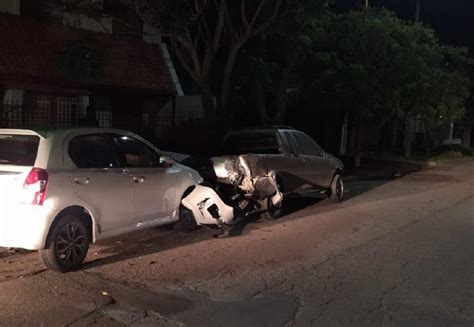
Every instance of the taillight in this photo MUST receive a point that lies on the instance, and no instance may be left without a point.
(35, 186)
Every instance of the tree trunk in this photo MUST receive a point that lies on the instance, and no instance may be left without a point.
(282, 97)
(358, 144)
(226, 83)
(393, 145)
(207, 101)
(261, 104)
(208, 107)
(343, 145)
(466, 140)
(381, 145)
(408, 136)
(262, 109)
(428, 138)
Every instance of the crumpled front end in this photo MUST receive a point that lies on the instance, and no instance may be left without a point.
(241, 183)
(250, 174)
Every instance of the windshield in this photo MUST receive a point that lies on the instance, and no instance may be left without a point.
(256, 143)
(18, 150)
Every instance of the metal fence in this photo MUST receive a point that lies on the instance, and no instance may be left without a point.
(37, 110)
(167, 117)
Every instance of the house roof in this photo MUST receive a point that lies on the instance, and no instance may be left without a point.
(29, 54)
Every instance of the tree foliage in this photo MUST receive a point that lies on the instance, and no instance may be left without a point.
(268, 63)
(376, 65)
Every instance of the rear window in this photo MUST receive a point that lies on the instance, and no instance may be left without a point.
(256, 143)
(18, 150)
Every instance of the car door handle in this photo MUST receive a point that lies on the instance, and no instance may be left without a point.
(139, 180)
(306, 160)
(82, 180)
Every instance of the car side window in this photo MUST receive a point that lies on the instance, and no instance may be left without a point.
(252, 142)
(136, 154)
(307, 146)
(291, 142)
(92, 151)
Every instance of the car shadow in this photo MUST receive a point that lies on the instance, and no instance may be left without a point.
(294, 205)
(142, 243)
(160, 239)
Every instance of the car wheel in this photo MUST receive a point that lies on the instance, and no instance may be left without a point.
(271, 212)
(186, 223)
(336, 192)
(67, 244)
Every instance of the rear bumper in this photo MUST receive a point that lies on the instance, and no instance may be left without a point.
(25, 226)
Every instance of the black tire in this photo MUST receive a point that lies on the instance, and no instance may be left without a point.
(271, 212)
(187, 223)
(67, 244)
(336, 191)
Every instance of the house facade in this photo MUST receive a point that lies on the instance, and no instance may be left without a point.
(57, 68)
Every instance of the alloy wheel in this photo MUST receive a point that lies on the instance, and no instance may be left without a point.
(71, 244)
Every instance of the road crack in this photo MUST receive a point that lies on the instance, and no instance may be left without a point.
(322, 307)
(388, 291)
(381, 306)
(292, 321)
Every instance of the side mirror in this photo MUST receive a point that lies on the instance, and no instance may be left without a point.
(166, 162)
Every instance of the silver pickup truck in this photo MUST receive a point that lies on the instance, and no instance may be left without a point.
(257, 169)
(293, 159)
(298, 163)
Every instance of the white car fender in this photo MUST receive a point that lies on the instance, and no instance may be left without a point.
(207, 207)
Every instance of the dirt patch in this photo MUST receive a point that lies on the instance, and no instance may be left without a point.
(8, 252)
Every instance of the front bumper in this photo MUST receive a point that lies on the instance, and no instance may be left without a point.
(25, 226)
(208, 208)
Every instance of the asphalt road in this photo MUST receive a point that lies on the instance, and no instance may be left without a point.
(395, 253)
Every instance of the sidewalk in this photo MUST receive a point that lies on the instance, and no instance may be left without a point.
(383, 168)
(394, 167)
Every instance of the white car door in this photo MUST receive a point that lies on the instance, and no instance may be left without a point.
(100, 181)
(154, 184)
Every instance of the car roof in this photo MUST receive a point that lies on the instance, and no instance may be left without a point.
(261, 129)
(60, 131)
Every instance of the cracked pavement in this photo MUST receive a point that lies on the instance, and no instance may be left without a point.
(395, 253)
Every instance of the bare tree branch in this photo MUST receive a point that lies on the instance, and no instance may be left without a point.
(198, 34)
(255, 16)
(230, 27)
(181, 56)
(208, 27)
(193, 52)
(243, 14)
(199, 9)
(219, 26)
(268, 22)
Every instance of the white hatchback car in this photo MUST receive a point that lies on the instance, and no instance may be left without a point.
(61, 190)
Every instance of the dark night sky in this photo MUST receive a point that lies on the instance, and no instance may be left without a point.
(453, 20)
